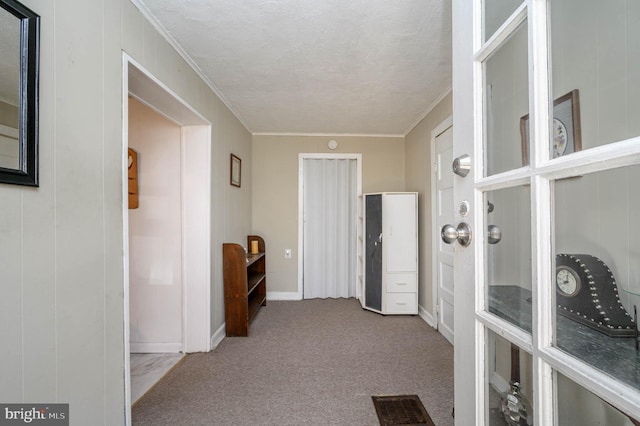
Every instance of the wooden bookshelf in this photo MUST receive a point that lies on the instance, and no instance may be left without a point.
(245, 285)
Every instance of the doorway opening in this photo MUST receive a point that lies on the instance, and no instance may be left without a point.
(190, 265)
(329, 187)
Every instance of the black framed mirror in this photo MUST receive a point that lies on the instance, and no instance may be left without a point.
(20, 51)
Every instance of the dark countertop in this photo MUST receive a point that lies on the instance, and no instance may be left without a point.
(616, 356)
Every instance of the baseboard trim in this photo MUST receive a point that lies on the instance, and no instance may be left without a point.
(426, 316)
(218, 336)
(283, 295)
(154, 348)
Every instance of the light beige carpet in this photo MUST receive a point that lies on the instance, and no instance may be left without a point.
(312, 362)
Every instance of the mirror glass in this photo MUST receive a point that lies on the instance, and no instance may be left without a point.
(19, 51)
(9, 90)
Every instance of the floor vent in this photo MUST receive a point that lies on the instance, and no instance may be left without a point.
(401, 410)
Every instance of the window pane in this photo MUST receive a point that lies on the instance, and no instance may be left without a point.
(496, 13)
(509, 259)
(595, 53)
(509, 383)
(577, 406)
(598, 268)
(506, 102)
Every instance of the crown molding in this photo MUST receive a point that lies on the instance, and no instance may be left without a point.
(165, 34)
(332, 135)
(431, 107)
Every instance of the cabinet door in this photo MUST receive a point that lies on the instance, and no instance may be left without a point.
(400, 232)
(373, 252)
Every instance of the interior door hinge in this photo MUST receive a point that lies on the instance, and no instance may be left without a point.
(435, 167)
(437, 309)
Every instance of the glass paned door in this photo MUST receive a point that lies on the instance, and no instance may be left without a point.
(597, 270)
(595, 83)
(495, 13)
(546, 105)
(506, 98)
(508, 383)
(508, 255)
(595, 54)
(593, 410)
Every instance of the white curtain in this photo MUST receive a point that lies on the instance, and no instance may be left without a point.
(329, 239)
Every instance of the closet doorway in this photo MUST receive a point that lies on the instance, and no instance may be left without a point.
(191, 249)
(329, 190)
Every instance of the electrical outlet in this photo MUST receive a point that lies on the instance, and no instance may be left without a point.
(287, 253)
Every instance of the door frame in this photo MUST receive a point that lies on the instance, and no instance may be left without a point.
(196, 208)
(336, 156)
(435, 231)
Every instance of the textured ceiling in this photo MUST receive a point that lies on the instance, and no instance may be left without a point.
(317, 66)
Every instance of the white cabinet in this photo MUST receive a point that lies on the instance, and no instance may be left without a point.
(390, 253)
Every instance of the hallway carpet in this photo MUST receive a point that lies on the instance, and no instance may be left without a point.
(311, 362)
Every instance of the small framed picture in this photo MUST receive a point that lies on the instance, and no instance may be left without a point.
(566, 136)
(236, 170)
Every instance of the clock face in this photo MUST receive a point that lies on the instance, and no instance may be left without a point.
(567, 281)
(559, 138)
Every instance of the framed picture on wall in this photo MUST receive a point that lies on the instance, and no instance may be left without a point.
(236, 170)
(566, 136)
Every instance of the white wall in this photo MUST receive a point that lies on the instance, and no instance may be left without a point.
(155, 234)
(509, 261)
(596, 49)
(507, 101)
(61, 312)
(61, 245)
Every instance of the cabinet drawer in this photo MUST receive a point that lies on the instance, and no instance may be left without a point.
(402, 303)
(401, 283)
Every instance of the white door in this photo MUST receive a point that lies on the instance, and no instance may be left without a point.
(400, 254)
(443, 152)
(329, 197)
(545, 97)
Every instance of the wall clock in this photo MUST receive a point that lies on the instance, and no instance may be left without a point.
(586, 292)
(559, 138)
(568, 281)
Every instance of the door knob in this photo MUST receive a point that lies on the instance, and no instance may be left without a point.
(495, 234)
(462, 234)
(462, 165)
